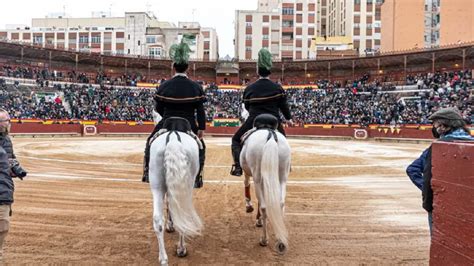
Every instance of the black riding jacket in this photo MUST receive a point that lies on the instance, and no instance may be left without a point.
(266, 97)
(182, 97)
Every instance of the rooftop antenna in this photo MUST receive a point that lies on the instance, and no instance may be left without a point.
(110, 9)
(148, 8)
(194, 11)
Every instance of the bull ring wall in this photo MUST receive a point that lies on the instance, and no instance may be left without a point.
(453, 215)
(453, 173)
(311, 131)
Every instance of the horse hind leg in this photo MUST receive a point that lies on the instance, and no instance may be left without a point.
(264, 238)
(259, 220)
(158, 225)
(169, 222)
(248, 198)
(181, 250)
(283, 196)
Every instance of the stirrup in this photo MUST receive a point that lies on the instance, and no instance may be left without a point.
(236, 170)
(198, 183)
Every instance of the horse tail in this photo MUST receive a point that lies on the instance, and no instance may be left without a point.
(271, 189)
(180, 190)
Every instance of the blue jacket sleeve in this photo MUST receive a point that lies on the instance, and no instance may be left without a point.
(415, 170)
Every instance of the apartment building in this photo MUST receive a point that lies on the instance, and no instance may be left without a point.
(358, 19)
(284, 27)
(409, 24)
(137, 33)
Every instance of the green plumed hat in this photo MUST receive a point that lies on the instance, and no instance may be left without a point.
(179, 53)
(265, 59)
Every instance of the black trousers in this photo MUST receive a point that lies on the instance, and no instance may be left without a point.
(158, 127)
(236, 139)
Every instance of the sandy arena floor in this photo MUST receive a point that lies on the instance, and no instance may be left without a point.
(348, 203)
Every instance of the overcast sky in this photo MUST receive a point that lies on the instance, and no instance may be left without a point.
(219, 14)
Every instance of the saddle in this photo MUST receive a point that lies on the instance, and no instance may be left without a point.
(177, 124)
(263, 122)
(267, 121)
(174, 125)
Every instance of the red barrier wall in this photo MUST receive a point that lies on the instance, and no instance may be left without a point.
(453, 216)
(33, 128)
(124, 129)
(37, 128)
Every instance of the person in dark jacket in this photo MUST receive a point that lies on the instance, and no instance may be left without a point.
(448, 125)
(180, 97)
(7, 145)
(6, 198)
(261, 97)
(9, 167)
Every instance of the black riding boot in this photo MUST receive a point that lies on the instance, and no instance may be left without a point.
(236, 168)
(198, 183)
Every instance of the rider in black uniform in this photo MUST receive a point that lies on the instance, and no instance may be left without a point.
(262, 97)
(180, 97)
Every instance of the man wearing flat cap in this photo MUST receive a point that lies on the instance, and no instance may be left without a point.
(448, 125)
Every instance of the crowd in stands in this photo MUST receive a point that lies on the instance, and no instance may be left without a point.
(43, 76)
(357, 102)
(89, 103)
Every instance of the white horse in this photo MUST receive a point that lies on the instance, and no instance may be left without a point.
(268, 161)
(174, 164)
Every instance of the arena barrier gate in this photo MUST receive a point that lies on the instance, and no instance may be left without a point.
(452, 242)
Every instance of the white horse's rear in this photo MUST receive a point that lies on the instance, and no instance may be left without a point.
(173, 168)
(268, 162)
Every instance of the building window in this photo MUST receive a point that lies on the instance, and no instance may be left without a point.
(206, 52)
(288, 11)
(377, 24)
(128, 51)
(83, 39)
(154, 51)
(248, 49)
(287, 23)
(248, 24)
(265, 37)
(150, 39)
(248, 37)
(369, 26)
(139, 43)
(129, 37)
(95, 39)
(356, 2)
(38, 39)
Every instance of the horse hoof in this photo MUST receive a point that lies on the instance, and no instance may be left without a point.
(263, 242)
(259, 223)
(170, 229)
(164, 263)
(280, 248)
(181, 253)
(249, 209)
